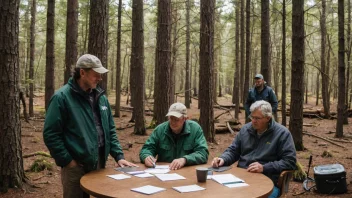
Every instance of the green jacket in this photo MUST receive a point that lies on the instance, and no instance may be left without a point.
(69, 128)
(191, 144)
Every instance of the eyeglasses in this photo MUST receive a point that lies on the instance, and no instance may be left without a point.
(255, 118)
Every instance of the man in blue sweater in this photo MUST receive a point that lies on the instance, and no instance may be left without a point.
(261, 146)
(260, 91)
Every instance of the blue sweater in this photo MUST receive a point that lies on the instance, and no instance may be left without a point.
(274, 149)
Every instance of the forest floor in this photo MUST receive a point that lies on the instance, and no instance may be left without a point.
(48, 183)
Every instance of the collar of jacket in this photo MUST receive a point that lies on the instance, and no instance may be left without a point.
(76, 88)
(186, 129)
(269, 130)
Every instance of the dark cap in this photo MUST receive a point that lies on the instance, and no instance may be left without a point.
(258, 76)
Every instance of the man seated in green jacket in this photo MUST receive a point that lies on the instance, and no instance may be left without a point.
(178, 141)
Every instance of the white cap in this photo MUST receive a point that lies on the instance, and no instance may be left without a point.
(178, 110)
(88, 61)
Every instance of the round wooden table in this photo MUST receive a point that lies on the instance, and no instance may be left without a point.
(97, 184)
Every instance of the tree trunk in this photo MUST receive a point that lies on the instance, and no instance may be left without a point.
(98, 34)
(348, 52)
(318, 88)
(206, 64)
(50, 53)
(236, 81)
(162, 62)
(341, 105)
(118, 62)
(32, 54)
(11, 161)
(297, 73)
(265, 39)
(174, 56)
(71, 38)
(283, 66)
(324, 68)
(188, 72)
(248, 51)
(137, 67)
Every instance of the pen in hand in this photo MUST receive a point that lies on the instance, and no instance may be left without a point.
(153, 161)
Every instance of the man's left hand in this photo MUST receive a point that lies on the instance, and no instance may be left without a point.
(255, 167)
(123, 163)
(177, 163)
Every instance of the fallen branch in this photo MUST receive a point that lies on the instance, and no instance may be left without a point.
(27, 135)
(336, 140)
(37, 153)
(229, 127)
(227, 111)
(305, 133)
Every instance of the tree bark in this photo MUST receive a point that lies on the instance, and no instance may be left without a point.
(248, 51)
(341, 105)
(236, 81)
(11, 161)
(206, 64)
(174, 56)
(283, 66)
(137, 67)
(71, 38)
(50, 53)
(118, 62)
(265, 45)
(242, 54)
(188, 72)
(297, 73)
(162, 62)
(32, 53)
(98, 34)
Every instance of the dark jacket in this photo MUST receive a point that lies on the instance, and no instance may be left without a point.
(70, 131)
(275, 150)
(266, 94)
(190, 145)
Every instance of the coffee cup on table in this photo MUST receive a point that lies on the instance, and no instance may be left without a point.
(202, 173)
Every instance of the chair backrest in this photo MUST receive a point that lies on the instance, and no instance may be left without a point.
(284, 181)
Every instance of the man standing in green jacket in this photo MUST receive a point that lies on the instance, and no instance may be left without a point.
(178, 141)
(79, 129)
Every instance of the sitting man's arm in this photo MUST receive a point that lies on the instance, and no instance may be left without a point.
(286, 155)
(149, 149)
(200, 149)
(233, 152)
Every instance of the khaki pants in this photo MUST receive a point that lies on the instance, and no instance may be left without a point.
(70, 178)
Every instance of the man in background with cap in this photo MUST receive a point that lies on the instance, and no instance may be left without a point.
(79, 129)
(260, 91)
(178, 141)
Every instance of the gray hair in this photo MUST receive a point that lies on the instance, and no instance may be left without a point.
(263, 106)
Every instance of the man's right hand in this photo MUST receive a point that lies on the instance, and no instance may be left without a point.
(217, 162)
(72, 164)
(148, 161)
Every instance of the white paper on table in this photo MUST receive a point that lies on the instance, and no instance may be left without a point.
(162, 167)
(148, 190)
(209, 176)
(119, 176)
(156, 171)
(144, 175)
(189, 188)
(169, 177)
(135, 172)
(226, 179)
(236, 185)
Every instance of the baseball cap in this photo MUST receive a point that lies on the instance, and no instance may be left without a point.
(258, 76)
(88, 61)
(178, 110)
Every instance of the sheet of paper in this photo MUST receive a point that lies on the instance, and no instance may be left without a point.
(135, 172)
(162, 166)
(148, 190)
(119, 176)
(169, 177)
(236, 185)
(226, 179)
(156, 171)
(144, 175)
(189, 188)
